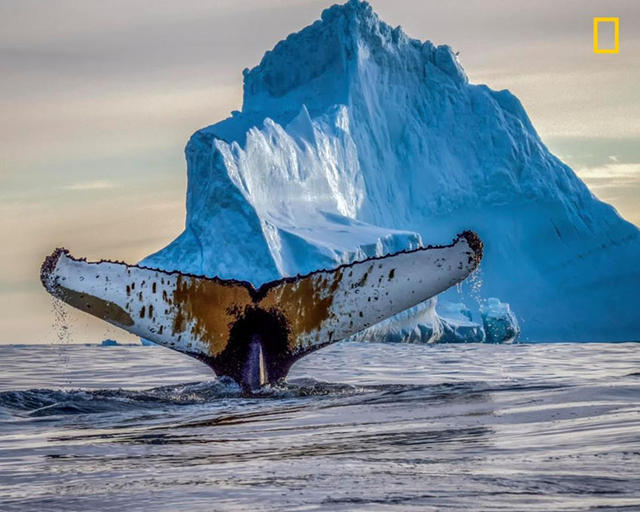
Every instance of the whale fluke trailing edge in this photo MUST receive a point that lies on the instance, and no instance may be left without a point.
(255, 335)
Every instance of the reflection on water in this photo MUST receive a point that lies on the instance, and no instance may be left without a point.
(357, 427)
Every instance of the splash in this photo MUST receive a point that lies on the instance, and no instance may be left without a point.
(476, 281)
(63, 337)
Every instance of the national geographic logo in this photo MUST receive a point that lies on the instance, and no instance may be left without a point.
(604, 43)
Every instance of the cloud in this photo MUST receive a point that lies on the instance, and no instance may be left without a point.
(88, 185)
(611, 175)
(617, 184)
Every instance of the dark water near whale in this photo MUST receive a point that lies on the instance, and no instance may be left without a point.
(358, 427)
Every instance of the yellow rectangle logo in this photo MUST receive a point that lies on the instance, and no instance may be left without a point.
(616, 35)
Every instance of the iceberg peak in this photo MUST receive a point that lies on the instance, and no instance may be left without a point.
(322, 64)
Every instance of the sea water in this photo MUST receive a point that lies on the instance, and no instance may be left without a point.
(358, 426)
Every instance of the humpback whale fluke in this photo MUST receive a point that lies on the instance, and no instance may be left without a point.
(255, 335)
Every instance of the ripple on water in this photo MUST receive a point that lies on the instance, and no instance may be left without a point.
(357, 427)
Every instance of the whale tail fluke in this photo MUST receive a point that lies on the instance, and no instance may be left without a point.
(255, 335)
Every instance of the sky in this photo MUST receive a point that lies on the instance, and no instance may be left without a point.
(98, 99)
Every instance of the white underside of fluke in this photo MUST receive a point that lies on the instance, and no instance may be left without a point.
(194, 314)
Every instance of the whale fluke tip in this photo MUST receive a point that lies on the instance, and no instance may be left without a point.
(49, 265)
(474, 242)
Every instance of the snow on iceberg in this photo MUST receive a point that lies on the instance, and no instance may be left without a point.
(355, 140)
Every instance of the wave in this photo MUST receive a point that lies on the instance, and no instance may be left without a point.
(58, 402)
(52, 402)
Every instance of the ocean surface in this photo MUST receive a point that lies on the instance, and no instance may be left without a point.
(548, 427)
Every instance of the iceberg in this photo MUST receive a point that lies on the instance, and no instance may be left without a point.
(355, 140)
(458, 325)
(500, 324)
(420, 324)
(442, 322)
